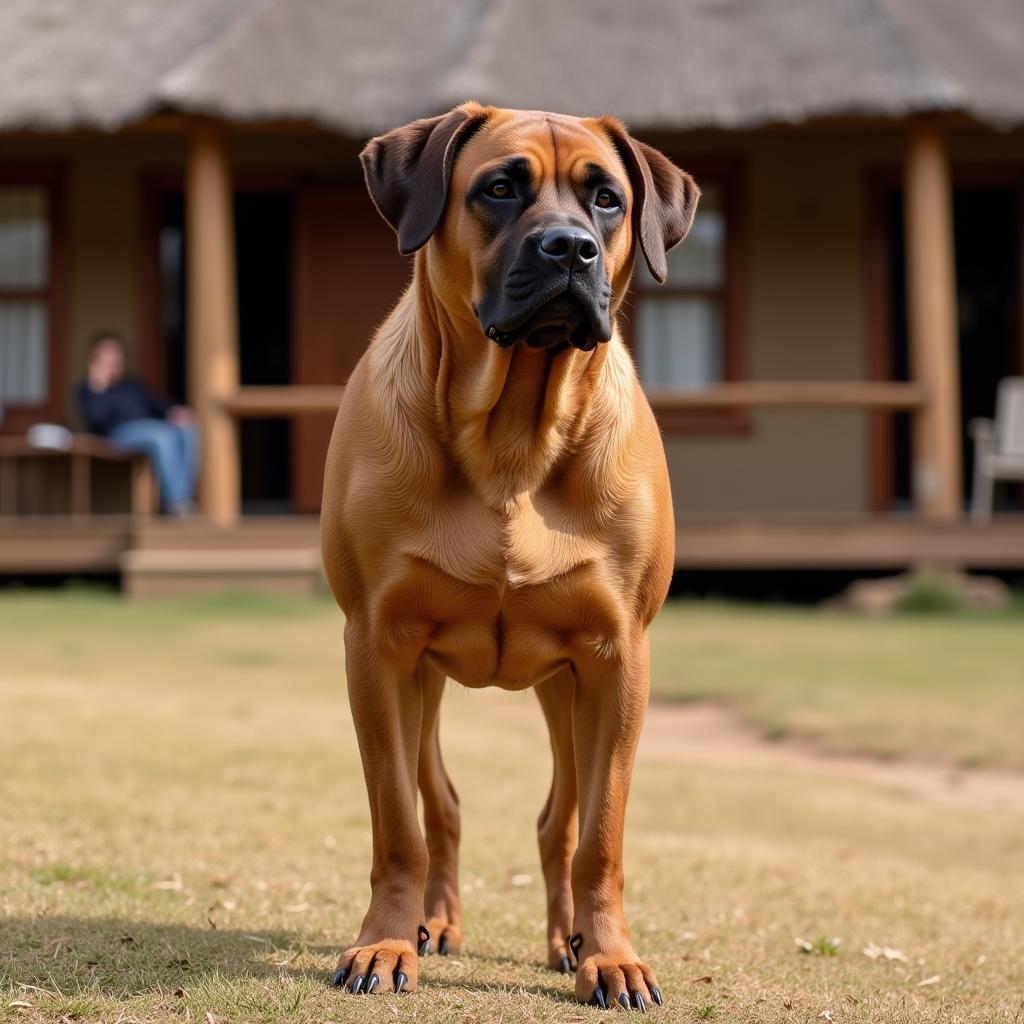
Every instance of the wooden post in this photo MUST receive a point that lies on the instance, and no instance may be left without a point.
(932, 322)
(81, 483)
(143, 488)
(212, 316)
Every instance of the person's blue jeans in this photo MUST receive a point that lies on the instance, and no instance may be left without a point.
(172, 450)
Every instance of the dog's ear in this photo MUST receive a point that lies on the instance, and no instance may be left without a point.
(664, 197)
(408, 170)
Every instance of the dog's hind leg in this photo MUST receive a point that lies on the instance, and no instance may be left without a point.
(557, 824)
(441, 900)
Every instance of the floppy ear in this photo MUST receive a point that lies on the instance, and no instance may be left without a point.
(408, 169)
(664, 197)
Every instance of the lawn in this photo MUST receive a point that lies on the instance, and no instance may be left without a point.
(186, 838)
(945, 686)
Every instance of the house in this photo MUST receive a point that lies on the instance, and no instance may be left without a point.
(186, 174)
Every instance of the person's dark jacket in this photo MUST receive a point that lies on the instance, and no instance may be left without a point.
(129, 399)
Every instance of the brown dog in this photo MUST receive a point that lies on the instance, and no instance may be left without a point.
(497, 510)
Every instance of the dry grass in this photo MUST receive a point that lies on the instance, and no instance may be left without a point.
(944, 686)
(186, 834)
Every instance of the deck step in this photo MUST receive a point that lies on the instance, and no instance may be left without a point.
(293, 532)
(150, 573)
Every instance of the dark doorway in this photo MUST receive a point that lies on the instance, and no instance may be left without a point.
(263, 246)
(987, 230)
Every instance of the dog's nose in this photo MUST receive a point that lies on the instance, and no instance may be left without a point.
(570, 248)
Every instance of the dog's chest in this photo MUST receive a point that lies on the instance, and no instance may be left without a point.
(534, 541)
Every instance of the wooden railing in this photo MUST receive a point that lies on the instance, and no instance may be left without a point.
(793, 394)
(294, 400)
(283, 400)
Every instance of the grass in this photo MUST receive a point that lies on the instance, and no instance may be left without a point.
(185, 833)
(946, 686)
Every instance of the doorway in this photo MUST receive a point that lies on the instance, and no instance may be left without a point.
(987, 226)
(317, 269)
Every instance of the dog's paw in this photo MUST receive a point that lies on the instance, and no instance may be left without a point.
(561, 951)
(607, 980)
(386, 966)
(445, 936)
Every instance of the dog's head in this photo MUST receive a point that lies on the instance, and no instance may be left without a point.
(537, 217)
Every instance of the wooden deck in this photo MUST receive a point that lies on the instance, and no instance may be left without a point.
(157, 557)
(876, 543)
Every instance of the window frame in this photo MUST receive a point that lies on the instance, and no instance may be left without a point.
(50, 177)
(728, 176)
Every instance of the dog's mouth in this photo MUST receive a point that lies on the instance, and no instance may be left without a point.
(559, 323)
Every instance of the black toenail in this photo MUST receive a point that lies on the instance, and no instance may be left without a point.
(400, 980)
(656, 992)
(424, 937)
(624, 1000)
(638, 1002)
(442, 946)
(565, 966)
(339, 977)
(374, 982)
(599, 996)
(357, 985)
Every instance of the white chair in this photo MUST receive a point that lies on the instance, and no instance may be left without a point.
(998, 447)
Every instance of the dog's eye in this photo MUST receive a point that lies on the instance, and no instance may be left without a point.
(500, 189)
(606, 199)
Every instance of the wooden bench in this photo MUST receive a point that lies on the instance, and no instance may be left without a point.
(79, 454)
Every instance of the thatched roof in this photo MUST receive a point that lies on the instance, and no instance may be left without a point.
(361, 66)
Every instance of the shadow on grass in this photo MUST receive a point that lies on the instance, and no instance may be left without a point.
(111, 956)
(114, 955)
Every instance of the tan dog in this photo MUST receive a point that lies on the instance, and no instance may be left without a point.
(496, 509)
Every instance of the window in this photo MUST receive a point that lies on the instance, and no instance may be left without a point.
(27, 292)
(684, 332)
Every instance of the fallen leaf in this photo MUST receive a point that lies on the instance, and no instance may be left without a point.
(933, 980)
(705, 980)
(520, 880)
(181, 993)
(826, 1015)
(20, 1004)
(884, 952)
(823, 946)
(209, 1017)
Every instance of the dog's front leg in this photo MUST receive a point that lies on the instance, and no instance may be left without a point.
(386, 699)
(608, 713)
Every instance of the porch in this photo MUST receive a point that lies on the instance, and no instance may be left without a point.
(156, 558)
(786, 516)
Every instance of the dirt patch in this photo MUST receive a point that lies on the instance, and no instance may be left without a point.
(712, 734)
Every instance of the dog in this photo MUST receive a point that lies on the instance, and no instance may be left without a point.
(497, 510)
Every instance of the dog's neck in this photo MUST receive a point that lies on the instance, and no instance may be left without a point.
(508, 418)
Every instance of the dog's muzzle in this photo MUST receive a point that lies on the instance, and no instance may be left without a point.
(554, 296)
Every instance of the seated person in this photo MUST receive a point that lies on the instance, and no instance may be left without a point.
(124, 411)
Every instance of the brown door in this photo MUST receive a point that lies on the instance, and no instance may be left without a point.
(348, 275)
